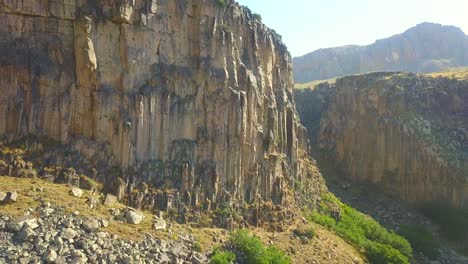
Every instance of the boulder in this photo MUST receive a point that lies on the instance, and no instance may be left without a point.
(133, 217)
(90, 225)
(159, 224)
(50, 256)
(25, 234)
(110, 199)
(24, 221)
(68, 233)
(2, 196)
(77, 192)
(11, 197)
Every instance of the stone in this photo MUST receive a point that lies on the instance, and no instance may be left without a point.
(159, 224)
(26, 234)
(103, 223)
(23, 221)
(2, 196)
(50, 256)
(79, 260)
(90, 225)
(110, 200)
(77, 192)
(68, 233)
(11, 197)
(133, 217)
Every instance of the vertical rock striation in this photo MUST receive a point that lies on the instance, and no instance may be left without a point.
(407, 133)
(185, 94)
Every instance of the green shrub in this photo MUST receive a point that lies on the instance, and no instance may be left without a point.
(257, 16)
(222, 257)
(254, 251)
(380, 253)
(421, 240)
(363, 232)
(221, 3)
(197, 247)
(452, 221)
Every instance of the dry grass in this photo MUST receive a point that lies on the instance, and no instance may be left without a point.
(454, 73)
(312, 84)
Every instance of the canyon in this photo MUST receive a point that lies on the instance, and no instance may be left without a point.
(405, 133)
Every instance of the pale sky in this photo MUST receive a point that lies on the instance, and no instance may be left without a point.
(307, 25)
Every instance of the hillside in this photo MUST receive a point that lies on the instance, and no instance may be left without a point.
(427, 47)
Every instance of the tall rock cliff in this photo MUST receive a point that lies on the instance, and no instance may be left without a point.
(426, 47)
(407, 133)
(192, 95)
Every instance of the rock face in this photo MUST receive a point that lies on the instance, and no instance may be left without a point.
(426, 47)
(184, 95)
(405, 132)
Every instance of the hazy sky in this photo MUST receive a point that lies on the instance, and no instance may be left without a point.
(307, 25)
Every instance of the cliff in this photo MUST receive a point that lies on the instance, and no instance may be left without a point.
(426, 47)
(193, 96)
(404, 132)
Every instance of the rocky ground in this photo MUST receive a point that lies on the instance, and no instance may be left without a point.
(43, 221)
(50, 235)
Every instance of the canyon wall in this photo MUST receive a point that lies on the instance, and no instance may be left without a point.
(192, 95)
(407, 133)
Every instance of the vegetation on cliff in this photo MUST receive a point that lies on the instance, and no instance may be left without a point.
(250, 249)
(379, 244)
(421, 240)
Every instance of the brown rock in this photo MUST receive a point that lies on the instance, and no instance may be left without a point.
(110, 200)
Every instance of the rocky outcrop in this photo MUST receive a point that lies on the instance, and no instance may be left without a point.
(426, 47)
(189, 96)
(404, 132)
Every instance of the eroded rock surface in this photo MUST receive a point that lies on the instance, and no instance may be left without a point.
(186, 96)
(404, 132)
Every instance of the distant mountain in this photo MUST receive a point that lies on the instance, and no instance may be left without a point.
(427, 47)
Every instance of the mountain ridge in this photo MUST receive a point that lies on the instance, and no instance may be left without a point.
(426, 47)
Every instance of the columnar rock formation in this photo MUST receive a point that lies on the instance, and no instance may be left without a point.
(407, 133)
(189, 94)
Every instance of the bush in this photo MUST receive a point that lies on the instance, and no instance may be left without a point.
(421, 240)
(221, 3)
(452, 221)
(254, 251)
(380, 253)
(363, 232)
(222, 257)
(257, 16)
(197, 247)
